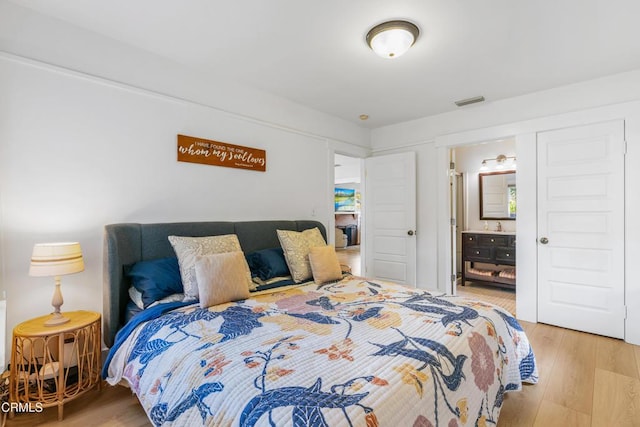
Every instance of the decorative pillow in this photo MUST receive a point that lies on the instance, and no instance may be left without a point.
(296, 247)
(156, 279)
(267, 263)
(188, 248)
(221, 278)
(324, 264)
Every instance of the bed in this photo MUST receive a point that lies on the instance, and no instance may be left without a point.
(350, 352)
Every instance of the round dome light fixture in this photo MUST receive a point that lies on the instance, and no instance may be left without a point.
(391, 39)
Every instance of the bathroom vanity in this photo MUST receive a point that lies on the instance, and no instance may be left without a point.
(489, 258)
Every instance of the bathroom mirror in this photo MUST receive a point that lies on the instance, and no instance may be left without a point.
(498, 195)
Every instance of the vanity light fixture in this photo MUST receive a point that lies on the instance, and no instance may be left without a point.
(391, 39)
(500, 162)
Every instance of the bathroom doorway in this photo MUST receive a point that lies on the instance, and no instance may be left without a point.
(483, 187)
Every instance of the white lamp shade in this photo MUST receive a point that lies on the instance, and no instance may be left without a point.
(56, 259)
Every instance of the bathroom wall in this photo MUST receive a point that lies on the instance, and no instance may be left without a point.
(468, 161)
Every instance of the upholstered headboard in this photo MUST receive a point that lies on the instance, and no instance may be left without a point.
(126, 244)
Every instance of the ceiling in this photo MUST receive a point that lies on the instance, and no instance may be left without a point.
(347, 169)
(314, 53)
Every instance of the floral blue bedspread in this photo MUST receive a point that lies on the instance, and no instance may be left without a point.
(355, 353)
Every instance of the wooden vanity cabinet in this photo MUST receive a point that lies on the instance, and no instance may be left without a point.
(496, 249)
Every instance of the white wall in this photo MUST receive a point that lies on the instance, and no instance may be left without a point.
(468, 160)
(78, 152)
(29, 34)
(88, 131)
(3, 333)
(581, 97)
(607, 90)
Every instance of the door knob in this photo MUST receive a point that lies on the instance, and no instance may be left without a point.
(410, 232)
(544, 240)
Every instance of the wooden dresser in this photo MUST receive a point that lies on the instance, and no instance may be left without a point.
(497, 254)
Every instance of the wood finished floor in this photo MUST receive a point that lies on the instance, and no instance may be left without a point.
(585, 380)
(350, 256)
(498, 296)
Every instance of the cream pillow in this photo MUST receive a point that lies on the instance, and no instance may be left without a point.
(188, 248)
(221, 278)
(296, 245)
(324, 264)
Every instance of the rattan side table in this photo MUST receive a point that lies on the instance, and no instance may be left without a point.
(52, 365)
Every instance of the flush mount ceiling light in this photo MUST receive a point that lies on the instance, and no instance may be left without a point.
(392, 38)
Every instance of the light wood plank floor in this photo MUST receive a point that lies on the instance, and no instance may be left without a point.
(585, 380)
(350, 256)
(505, 298)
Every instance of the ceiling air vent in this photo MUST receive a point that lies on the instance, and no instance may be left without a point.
(468, 101)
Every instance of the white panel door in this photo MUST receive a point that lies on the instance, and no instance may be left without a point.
(390, 217)
(581, 228)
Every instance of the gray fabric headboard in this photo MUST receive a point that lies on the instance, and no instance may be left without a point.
(126, 244)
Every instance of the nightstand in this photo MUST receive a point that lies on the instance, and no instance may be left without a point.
(4, 396)
(51, 365)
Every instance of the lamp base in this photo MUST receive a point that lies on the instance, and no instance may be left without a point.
(56, 319)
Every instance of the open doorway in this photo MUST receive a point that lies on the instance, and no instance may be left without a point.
(348, 211)
(485, 213)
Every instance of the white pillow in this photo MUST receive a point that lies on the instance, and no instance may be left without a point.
(222, 278)
(295, 246)
(188, 248)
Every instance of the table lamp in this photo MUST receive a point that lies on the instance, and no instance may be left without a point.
(56, 259)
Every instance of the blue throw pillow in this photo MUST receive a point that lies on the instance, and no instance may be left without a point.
(268, 263)
(156, 279)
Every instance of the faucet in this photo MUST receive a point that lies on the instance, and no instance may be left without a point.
(498, 226)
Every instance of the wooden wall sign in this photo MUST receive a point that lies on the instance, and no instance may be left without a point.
(215, 153)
